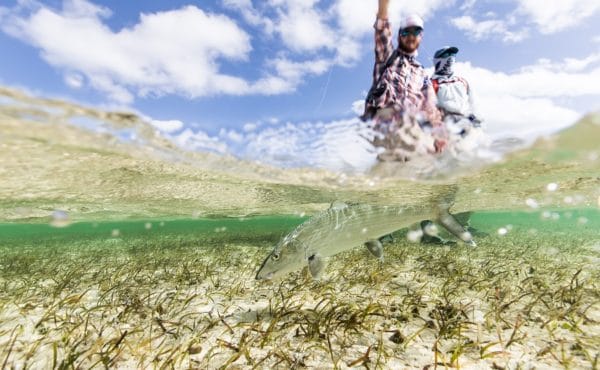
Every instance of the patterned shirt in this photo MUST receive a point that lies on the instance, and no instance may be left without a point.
(404, 85)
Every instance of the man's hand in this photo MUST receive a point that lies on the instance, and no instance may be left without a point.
(382, 13)
(439, 145)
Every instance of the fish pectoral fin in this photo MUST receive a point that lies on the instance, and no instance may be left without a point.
(376, 248)
(454, 227)
(316, 265)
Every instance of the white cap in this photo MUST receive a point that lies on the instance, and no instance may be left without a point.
(411, 20)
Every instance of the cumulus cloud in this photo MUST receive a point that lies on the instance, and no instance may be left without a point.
(524, 103)
(357, 17)
(309, 144)
(170, 52)
(294, 23)
(166, 52)
(200, 141)
(481, 30)
(546, 17)
(250, 14)
(554, 16)
(167, 126)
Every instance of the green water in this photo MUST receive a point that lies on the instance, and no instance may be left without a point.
(271, 228)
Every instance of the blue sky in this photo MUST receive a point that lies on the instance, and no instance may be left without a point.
(248, 77)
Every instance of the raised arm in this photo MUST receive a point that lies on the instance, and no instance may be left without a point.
(382, 12)
(383, 39)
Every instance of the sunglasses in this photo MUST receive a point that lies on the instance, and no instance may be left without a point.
(415, 31)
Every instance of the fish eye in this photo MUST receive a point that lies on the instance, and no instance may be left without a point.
(275, 256)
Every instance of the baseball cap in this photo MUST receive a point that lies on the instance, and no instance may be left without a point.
(411, 20)
(446, 51)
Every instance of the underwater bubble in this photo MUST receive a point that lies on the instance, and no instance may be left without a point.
(532, 203)
(552, 186)
(509, 227)
(568, 199)
(569, 215)
(555, 216)
(582, 220)
(466, 235)
(364, 230)
(148, 226)
(414, 236)
(431, 229)
(115, 233)
(593, 156)
(532, 231)
(599, 201)
(302, 214)
(502, 231)
(162, 223)
(477, 191)
(221, 229)
(546, 215)
(60, 218)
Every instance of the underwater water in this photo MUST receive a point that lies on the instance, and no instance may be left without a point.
(124, 250)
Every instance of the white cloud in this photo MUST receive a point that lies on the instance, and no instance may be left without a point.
(231, 135)
(302, 27)
(74, 80)
(309, 144)
(166, 52)
(200, 141)
(481, 30)
(554, 16)
(289, 74)
(250, 14)
(250, 126)
(167, 126)
(526, 103)
(175, 52)
(357, 17)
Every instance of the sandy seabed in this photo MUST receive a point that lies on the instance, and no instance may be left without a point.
(518, 301)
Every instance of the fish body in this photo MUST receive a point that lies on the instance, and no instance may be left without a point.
(346, 226)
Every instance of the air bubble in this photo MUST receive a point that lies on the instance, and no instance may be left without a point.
(552, 186)
(148, 226)
(60, 218)
(414, 236)
(502, 231)
(532, 203)
(115, 233)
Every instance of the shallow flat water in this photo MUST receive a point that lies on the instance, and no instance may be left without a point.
(137, 254)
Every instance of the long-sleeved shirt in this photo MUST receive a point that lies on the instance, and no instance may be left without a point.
(404, 84)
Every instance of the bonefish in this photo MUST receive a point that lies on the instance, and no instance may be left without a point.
(345, 226)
